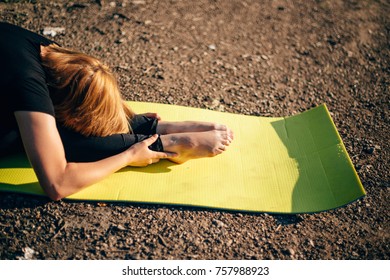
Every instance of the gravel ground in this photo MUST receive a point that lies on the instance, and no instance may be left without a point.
(263, 58)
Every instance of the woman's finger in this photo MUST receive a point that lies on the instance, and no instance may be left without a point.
(149, 141)
(165, 155)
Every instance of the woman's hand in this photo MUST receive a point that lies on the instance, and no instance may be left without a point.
(141, 155)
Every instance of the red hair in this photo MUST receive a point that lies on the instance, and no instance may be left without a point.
(85, 93)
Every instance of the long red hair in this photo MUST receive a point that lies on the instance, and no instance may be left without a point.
(85, 93)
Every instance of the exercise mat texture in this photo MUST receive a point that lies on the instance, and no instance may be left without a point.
(292, 164)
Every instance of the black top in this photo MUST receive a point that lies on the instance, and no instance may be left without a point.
(22, 78)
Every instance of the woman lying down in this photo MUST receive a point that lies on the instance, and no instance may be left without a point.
(76, 129)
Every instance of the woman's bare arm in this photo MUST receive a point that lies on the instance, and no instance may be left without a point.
(59, 178)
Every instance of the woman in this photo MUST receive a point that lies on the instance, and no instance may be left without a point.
(73, 123)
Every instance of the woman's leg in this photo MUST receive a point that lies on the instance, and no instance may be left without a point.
(188, 139)
(165, 127)
(149, 126)
(79, 148)
(188, 145)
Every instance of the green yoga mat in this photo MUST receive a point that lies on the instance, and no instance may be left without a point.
(294, 164)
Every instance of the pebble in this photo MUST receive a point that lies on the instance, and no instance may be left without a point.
(212, 47)
(370, 150)
(28, 254)
(121, 40)
(215, 103)
(264, 57)
(120, 227)
(218, 223)
(139, 2)
(53, 31)
(162, 240)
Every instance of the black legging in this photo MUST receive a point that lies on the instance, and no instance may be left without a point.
(79, 148)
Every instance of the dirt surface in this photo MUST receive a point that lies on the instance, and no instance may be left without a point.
(263, 58)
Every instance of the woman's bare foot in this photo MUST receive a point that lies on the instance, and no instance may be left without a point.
(196, 144)
(164, 128)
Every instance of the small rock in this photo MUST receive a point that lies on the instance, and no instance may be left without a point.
(53, 31)
(264, 57)
(218, 223)
(139, 2)
(370, 150)
(120, 227)
(221, 108)
(215, 103)
(291, 251)
(28, 254)
(121, 40)
(170, 100)
(162, 240)
(212, 47)
(368, 167)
